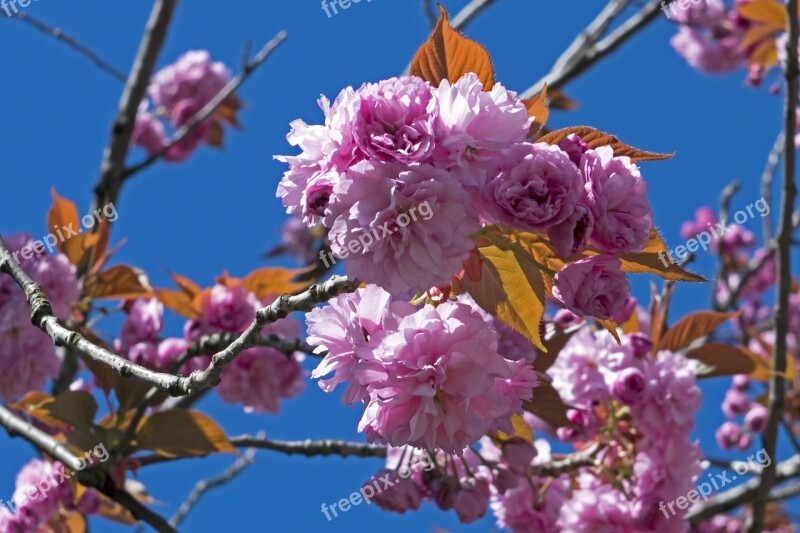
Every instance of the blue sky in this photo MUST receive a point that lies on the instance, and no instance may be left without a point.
(218, 211)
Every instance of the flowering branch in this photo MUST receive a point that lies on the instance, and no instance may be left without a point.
(111, 170)
(783, 259)
(43, 318)
(210, 107)
(58, 451)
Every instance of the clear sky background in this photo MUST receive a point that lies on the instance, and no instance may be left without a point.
(218, 211)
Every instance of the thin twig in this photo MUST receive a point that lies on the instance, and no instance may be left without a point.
(113, 166)
(558, 77)
(203, 486)
(740, 494)
(60, 35)
(776, 401)
(468, 14)
(430, 13)
(210, 107)
(307, 448)
(766, 180)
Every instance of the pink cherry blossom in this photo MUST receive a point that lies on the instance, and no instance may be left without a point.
(594, 286)
(536, 187)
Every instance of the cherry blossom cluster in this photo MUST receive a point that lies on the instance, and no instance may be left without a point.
(711, 38)
(258, 378)
(176, 94)
(39, 497)
(428, 376)
(390, 146)
(27, 355)
(636, 405)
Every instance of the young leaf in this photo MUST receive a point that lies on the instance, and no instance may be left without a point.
(179, 302)
(555, 339)
(186, 285)
(658, 264)
(547, 404)
(448, 55)
(521, 430)
(769, 12)
(595, 139)
(611, 327)
(510, 288)
(182, 433)
(63, 216)
(538, 110)
(691, 328)
(723, 360)
(120, 281)
(274, 281)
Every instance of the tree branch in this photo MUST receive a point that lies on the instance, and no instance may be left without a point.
(203, 486)
(43, 318)
(111, 170)
(210, 107)
(741, 494)
(17, 427)
(60, 35)
(766, 180)
(777, 398)
(566, 69)
(307, 448)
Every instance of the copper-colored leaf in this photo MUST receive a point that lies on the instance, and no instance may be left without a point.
(510, 287)
(182, 433)
(690, 328)
(63, 216)
(448, 55)
(216, 135)
(538, 110)
(114, 511)
(547, 404)
(769, 12)
(611, 327)
(559, 100)
(722, 360)
(120, 281)
(179, 302)
(188, 286)
(274, 281)
(658, 264)
(521, 430)
(765, 55)
(75, 408)
(555, 339)
(595, 139)
(756, 34)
